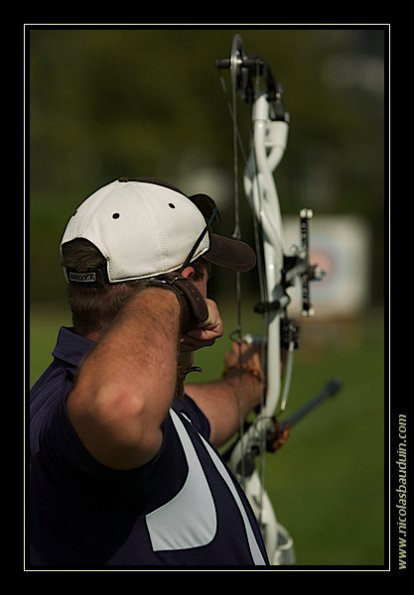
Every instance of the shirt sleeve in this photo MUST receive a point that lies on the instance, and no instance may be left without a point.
(77, 476)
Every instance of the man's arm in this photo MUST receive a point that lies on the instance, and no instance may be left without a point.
(226, 402)
(126, 384)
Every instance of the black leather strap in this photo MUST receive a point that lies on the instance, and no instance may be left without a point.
(193, 306)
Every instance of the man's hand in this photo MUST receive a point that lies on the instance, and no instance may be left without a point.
(245, 356)
(228, 400)
(206, 332)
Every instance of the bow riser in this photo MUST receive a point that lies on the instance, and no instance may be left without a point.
(269, 144)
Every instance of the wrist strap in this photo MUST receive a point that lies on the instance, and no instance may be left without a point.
(193, 306)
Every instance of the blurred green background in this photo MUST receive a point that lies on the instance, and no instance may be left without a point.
(106, 103)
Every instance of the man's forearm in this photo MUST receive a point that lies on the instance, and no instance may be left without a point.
(226, 402)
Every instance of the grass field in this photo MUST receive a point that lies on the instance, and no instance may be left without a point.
(327, 482)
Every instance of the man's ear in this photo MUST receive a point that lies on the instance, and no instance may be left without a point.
(188, 272)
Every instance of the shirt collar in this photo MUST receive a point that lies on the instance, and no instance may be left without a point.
(70, 347)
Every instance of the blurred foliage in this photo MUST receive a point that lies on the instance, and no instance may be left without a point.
(106, 103)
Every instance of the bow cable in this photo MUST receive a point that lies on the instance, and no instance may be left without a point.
(261, 266)
(237, 334)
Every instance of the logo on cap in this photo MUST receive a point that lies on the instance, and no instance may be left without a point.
(82, 277)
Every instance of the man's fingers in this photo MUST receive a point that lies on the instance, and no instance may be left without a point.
(198, 338)
(206, 332)
(242, 353)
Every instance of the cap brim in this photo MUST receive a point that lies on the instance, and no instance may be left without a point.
(230, 254)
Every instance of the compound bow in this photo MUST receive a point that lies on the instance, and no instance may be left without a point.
(278, 269)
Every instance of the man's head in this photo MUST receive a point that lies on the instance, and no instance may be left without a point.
(131, 230)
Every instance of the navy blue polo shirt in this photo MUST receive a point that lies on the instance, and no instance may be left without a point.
(183, 508)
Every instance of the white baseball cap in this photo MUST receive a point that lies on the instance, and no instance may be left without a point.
(145, 227)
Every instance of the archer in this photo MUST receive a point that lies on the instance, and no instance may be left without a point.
(124, 466)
